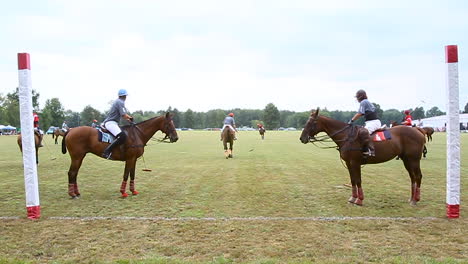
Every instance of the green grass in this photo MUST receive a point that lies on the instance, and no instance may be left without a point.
(277, 177)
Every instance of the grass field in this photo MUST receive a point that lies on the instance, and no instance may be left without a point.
(216, 206)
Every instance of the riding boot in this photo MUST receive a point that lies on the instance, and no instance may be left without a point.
(234, 135)
(368, 145)
(118, 141)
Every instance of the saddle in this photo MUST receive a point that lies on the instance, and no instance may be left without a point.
(105, 136)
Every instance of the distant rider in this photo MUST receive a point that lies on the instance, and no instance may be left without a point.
(231, 123)
(111, 123)
(408, 119)
(65, 127)
(37, 130)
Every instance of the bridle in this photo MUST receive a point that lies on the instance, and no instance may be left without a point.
(328, 138)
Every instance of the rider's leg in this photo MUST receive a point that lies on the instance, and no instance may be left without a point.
(120, 139)
(114, 128)
(371, 126)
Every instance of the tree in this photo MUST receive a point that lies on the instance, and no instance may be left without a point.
(418, 113)
(434, 111)
(271, 116)
(89, 114)
(189, 119)
(52, 114)
(466, 109)
(73, 118)
(9, 107)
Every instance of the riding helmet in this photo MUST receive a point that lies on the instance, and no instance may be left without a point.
(407, 112)
(231, 114)
(361, 95)
(123, 92)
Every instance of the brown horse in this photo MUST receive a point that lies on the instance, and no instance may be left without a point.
(261, 130)
(81, 140)
(406, 142)
(429, 132)
(37, 140)
(228, 137)
(422, 130)
(57, 132)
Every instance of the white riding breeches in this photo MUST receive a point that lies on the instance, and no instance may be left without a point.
(230, 127)
(113, 127)
(372, 125)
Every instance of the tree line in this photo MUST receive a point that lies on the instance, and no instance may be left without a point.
(53, 114)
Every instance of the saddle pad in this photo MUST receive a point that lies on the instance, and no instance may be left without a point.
(382, 135)
(105, 137)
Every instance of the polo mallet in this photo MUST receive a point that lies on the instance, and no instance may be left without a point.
(144, 162)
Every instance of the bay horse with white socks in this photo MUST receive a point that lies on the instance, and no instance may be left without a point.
(406, 142)
(81, 140)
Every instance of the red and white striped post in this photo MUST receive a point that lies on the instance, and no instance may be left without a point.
(27, 136)
(453, 133)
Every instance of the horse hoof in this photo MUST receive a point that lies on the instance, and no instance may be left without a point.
(135, 193)
(124, 195)
(358, 202)
(413, 203)
(74, 197)
(352, 199)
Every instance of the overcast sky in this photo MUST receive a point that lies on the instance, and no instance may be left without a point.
(204, 55)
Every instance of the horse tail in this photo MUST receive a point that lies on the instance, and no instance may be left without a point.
(64, 147)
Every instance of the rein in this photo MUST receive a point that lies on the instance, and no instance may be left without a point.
(328, 138)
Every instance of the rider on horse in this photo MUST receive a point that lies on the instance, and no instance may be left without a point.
(111, 123)
(229, 121)
(408, 121)
(366, 109)
(37, 130)
(65, 127)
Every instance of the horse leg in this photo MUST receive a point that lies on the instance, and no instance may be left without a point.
(410, 169)
(72, 175)
(230, 149)
(424, 151)
(132, 178)
(357, 194)
(37, 157)
(123, 186)
(226, 152)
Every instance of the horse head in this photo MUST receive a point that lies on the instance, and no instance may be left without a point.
(311, 128)
(169, 128)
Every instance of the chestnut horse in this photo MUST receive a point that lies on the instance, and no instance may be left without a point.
(37, 140)
(228, 137)
(57, 132)
(261, 130)
(81, 140)
(422, 130)
(406, 142)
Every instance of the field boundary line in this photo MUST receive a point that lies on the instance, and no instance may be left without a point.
(227, 219)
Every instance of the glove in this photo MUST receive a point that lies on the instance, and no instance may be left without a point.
(131, 119)
(350, 122)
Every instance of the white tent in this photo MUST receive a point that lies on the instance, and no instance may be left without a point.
(439, 122)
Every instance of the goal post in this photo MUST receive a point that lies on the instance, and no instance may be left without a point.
(27, 137)
(453, 133)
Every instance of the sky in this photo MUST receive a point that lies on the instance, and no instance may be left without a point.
(213, 54)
